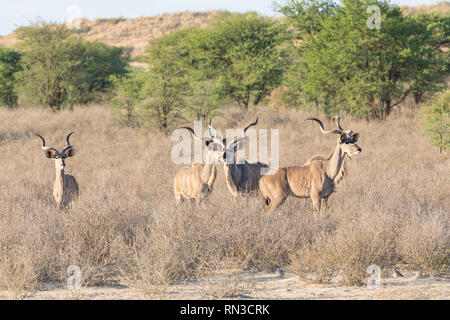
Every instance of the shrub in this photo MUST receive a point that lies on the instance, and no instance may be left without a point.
(344, 66)
(245, 54)
(166, 81)
(425, 243)
(9, 66)
(60, 69)
(437, 121)
(127, 96)
(345, 254)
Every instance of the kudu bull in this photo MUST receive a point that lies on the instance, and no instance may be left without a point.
(65, 188)
(241, 178)
(196, 182)
(316, 179)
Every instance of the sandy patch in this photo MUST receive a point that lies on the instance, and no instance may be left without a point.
(266, 286)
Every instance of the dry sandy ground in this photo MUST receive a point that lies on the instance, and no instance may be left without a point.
(266, 286)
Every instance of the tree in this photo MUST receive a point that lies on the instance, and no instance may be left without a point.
(127, 97)
(245, 54)
(100, 61)
(431, 74)
(166, 82)
(60, 69)
(203, 101)
(306, 16)
(348, 67)
(9, 66)
(47, 65)
(437, 121)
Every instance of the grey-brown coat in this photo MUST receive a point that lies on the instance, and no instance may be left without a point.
(65, 188)
(197, 181)
(316, 179)
(240, 178)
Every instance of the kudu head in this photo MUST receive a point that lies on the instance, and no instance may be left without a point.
(228, 148)
(347, 138)
(211, 145)
(59, 157)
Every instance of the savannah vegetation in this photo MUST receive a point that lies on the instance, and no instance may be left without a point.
(390, 85)
(392, 209)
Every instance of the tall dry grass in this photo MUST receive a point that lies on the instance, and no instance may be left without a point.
(125, 229)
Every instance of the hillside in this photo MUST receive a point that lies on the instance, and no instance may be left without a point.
(442, 8)
(136, 33)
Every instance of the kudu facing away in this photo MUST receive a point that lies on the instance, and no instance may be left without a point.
(241, 178)
(197, 182)
(316, 179)
(65, 188)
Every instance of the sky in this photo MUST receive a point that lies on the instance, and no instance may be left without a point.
(16, 13)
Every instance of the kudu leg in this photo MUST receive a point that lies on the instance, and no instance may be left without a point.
(324, 203)
(178, 198)
(316, 203)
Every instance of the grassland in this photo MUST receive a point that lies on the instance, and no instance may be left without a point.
(391, 210)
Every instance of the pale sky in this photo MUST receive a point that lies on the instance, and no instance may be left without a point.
(16, 13)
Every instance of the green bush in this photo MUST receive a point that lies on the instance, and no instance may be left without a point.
(246, 54)
(166, 82)
(127, 97)
(9, 66)
(203, 102)
(437, 121)
(344, 66)
(60, 69)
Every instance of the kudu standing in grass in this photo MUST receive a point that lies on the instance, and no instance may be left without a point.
(241, 178)
(65, 188)
(316, 179)
(196, 182)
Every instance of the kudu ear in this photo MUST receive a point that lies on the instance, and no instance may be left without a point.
(69, 152)
(355, 136)
(343, 137)
(49, 153)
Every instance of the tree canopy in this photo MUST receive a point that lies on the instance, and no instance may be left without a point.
(60, 69)
(346, 66)
(246, 54)
(9, 66)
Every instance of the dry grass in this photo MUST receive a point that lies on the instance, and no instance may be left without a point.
(125, 228)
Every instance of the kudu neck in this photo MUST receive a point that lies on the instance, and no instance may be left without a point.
(335, 162)
(59, 170)
(208, 168)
